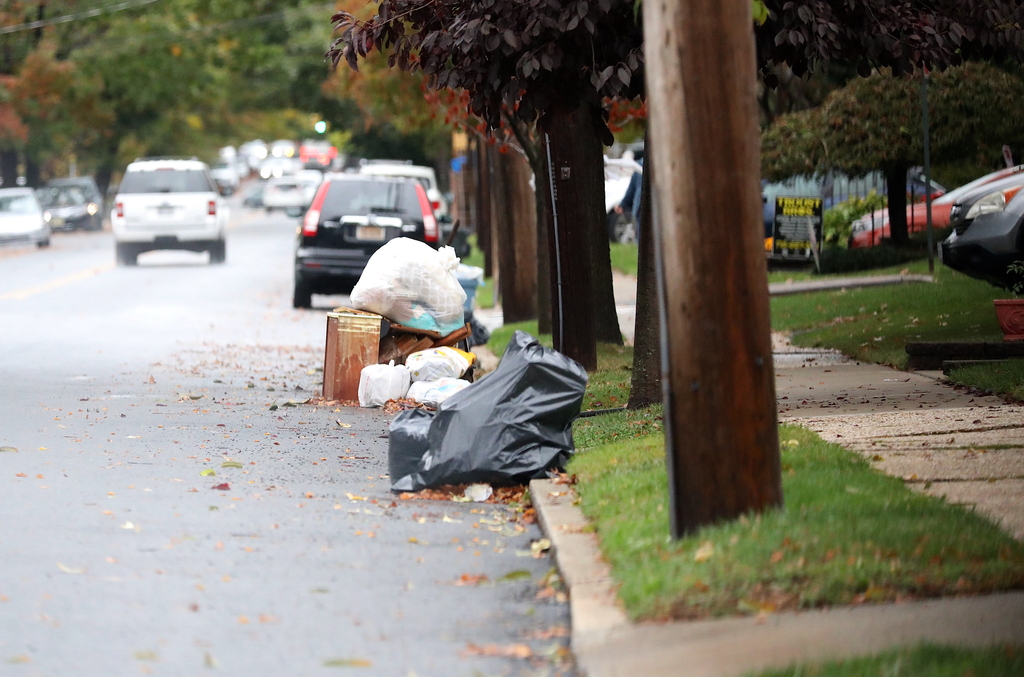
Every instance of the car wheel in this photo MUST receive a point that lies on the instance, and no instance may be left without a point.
(302, 297)
(127, 254)
(95, 223)
(43, 243)
(218, 252)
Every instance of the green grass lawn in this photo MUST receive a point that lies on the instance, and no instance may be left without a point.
(920, 661)
(847, 534)
(875, 323)
(1006, 378)
(624, 257)
(484, 294)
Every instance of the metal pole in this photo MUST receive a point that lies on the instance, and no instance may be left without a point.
(927, 171)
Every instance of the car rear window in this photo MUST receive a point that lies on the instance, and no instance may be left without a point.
(166, 181)
(369, 197)
(63, 196)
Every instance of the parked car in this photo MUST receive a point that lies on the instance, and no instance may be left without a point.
(870, 229)
(21, 218)
(989, 235)
(350, 218)
(425, 175)
(167, 203)
(70, 204)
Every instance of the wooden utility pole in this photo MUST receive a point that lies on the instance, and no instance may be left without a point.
(718, 378)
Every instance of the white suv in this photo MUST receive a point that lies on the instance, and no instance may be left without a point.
(165, 203)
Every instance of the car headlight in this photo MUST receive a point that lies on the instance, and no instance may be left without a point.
(92, 208)
(991, 203)
(47, 216)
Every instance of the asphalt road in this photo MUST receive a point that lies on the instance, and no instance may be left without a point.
(119, 387)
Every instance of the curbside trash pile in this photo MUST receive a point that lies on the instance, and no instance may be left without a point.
(511, 427)
(409, 316)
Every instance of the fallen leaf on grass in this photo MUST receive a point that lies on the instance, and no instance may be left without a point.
(704, 552)
(776, 557)
(506, 651)
(348, 663)
(70, 570)
(222, 487)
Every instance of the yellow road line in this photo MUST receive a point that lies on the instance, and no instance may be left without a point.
(26, 292)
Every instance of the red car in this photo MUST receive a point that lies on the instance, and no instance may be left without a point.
(871, 229)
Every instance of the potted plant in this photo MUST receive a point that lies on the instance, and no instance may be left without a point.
(1010, 312)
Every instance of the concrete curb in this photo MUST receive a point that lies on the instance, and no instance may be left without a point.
(784, 288)
(593, 602)
(606, 644)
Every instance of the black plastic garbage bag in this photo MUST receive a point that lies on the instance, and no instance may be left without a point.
(510, 427)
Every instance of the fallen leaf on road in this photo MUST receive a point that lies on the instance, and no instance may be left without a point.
(538, 548)
(348, 663)
(550, 633)
(127, 525)
(70, 570)
(222, 487)
(353, 497)
(516, 575)
(446, 518)
(243, 620)
(343, 425)
(466, 580)
(208, 472)
(231, 464)
(145, 655)
(507, 651)
(14, 660)
(20, 474)
(7, 450)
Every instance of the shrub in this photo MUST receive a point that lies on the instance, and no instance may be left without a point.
(839, 219)
(842, 260)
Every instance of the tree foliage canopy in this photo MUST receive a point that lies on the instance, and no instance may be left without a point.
(874, 123)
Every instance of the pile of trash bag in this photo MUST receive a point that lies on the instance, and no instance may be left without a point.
(508, 428)
(428, 376)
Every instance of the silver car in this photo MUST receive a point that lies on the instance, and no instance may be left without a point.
(21, 218)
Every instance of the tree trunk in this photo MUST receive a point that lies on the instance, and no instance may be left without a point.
(569, 231)
(9, 168)
(645, 384)
(514, 230)
(591, 173)
(32, 176)
(719, 381)
(483, 205)
(896, 186)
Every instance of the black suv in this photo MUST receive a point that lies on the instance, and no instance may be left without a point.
(350, 218)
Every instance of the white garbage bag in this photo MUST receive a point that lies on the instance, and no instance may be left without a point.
(433, 393)
(379, 383)
(411, 283)
(435, 363)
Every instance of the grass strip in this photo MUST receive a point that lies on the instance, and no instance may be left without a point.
(847, 534)
(925, 660)
(1004, 377)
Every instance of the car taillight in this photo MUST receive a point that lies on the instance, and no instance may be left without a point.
(435, 205)
(311, 222)
(430, 229)
(120, 210)
(211, 208)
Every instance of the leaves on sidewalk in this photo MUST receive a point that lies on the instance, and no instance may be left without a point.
(502, 651)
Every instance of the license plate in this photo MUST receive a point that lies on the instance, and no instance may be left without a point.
(165, 211)
(375, 233)
(57, 221)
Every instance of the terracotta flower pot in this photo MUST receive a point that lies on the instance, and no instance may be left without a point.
(1010, 313)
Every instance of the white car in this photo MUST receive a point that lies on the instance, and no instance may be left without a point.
(287, 193)
(21, 218)
(168, 204)
(424, 175)
(225, 173)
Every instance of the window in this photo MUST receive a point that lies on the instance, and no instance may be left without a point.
(166, 181)
(18, 204)
(367, 197)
